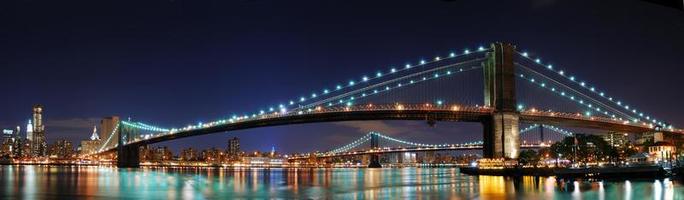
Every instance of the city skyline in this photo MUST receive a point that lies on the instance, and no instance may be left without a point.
(295, 56)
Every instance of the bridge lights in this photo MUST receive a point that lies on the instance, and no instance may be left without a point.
(524, 54)
(351, 83)
(422, 62)
(408, 66)
(537, 60)
(439, 102)
(520, 107)
(437, 58)
(455, 108)
(302, 99)
(378, 74)
(400, 107)
(365, 78)
(561, 72)
(466, 51)
(452, 54)
(549, 66)
(480, 48)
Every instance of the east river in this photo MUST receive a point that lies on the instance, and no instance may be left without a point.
(70, 182)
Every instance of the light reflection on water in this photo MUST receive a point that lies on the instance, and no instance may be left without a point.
(64, 182)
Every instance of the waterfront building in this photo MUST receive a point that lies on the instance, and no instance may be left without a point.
(61, 149)
(162, 153)
(107, 126)
(233, 147)
(146, 153)
(38, 141)
(92, 145)
(188, 154)
(662, 151)
(616, 139)
(7, 143)
(263, 161)
(213, 155)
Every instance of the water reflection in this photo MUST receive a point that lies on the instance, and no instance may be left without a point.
(64, 182)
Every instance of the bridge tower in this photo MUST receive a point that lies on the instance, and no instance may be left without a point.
(374, 158)
(501, 134)
(128, 155)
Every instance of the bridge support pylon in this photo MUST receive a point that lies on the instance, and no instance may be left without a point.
(501, 134)
(128, 155)
(374, 161)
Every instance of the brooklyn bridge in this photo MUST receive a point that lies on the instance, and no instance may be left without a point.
(498, 86)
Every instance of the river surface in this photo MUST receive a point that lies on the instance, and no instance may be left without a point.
(71, 182)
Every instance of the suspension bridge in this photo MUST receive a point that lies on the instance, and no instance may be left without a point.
(379, 143)
(498, 86)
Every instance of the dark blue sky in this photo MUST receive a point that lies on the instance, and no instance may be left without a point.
(173, 63)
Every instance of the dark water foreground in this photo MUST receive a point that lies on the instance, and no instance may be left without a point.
(65, 182)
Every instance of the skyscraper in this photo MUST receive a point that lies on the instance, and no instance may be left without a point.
(92, 145)
(233, 146)
(29, 131)
(107, 126)
(94, 136)
(39, 144)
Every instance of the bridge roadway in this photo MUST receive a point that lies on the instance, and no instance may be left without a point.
(408, 149)
(393, 112)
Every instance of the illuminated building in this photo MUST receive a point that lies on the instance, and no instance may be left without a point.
(662, 151)
(263, 161)
(92, 145)
(188, 154)
(107, 126)
(61, 149)
(162, 153)
(94, 136)
(234, 147)
(38, 142)
(616, 139)
(8, 140)
(29, 131)
(213, 155)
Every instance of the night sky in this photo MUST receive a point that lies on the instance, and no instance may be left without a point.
(173, 63)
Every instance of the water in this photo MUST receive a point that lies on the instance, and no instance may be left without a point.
(64, 182)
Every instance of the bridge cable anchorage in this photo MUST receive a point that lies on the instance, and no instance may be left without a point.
(595, 91)
(522, 76)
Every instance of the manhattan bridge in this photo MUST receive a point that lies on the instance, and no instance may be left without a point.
(509, 92)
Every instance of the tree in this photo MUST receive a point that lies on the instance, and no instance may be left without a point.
(584, 149)
(528, 157)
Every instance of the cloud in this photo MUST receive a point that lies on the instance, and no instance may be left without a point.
(72, 123)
